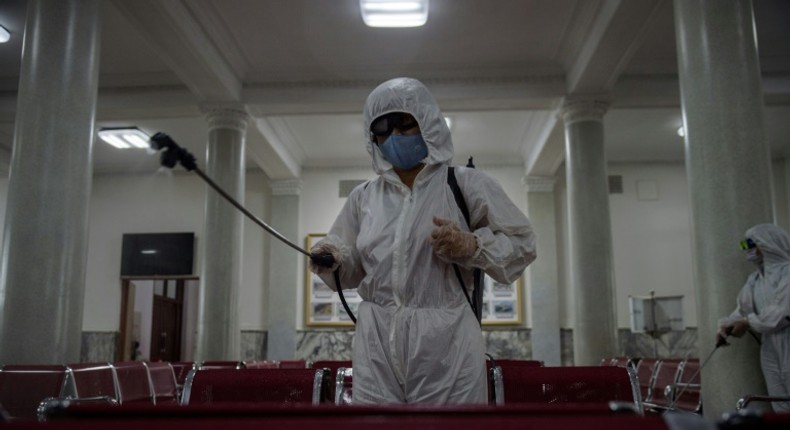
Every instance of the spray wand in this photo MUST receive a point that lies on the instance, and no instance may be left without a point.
(721, 341)
(173, 154)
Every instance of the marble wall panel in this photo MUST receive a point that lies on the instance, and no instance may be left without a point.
(98, 346)
(681, 344)
(253, 345)
(508, 344)
(566, 346)
(317, 345)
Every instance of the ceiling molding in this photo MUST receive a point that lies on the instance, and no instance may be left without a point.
(145, 102)
(310, 97)
(273, 155)
(183, 44)
(616, 34)
(542, 133)
(283, 131)
(578, 26)
(548, 157)
(539, 184)
(210, 18)
(221, 116)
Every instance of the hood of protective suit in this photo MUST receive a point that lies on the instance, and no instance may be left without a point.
(410, 96)
(774, 243)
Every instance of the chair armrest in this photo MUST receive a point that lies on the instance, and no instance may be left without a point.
(624, 407)
(496, 389)
(744, 401)
(687, 386)
(51, 404)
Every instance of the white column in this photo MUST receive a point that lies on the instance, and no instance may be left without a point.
(544, 295)
(592, 281)
(219, 337)
(284, 274)
(42, 284)
(729, 171)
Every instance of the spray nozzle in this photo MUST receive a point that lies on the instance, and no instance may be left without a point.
(172, 153)
(722, 340)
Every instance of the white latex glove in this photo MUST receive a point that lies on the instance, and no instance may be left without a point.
(740, 327)
(450, 241)
(324, 248)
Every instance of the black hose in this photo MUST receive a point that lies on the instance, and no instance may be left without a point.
(343, 298)
(173, 153)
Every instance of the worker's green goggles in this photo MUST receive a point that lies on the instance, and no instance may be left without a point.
(748, 244)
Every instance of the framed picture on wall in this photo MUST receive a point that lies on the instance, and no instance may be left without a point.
(502, 302)
(322, 305)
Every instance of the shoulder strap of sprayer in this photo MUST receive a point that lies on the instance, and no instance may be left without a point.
(476, 301)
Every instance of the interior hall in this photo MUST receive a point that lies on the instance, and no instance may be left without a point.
(640, 138)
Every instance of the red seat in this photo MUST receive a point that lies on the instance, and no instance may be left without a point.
(295, 364)
(644, 374)
(262, 364)
(24, 387)
(257, 386)
(620, 361)
(246, 416)
(134, 382)
(577, 384)
(506, 363)
(686, 392)
(163, 382)
(665, 375)
(95, 381)
(181, 369)
(222, 365)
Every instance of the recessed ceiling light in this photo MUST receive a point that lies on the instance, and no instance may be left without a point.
(125, 138)
(394, 13)
(5, 36)
(681, 131)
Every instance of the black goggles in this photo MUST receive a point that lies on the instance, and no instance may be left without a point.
(748, 244)
(385, 124)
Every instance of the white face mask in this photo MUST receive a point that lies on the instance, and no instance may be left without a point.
(754, 257)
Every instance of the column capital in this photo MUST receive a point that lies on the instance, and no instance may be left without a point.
(286, 187)
(576, 110)
(539, 184)
(225, 116)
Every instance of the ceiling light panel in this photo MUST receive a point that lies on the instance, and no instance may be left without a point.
(394, 13)
(125, 138)
(5, 36)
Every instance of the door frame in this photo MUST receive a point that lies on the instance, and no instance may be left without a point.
(124, 343)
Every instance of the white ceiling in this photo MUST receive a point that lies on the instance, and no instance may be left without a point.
(302, 68)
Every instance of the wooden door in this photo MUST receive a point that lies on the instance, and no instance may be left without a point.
(167, 320)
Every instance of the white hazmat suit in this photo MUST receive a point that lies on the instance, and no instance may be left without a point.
(765, 302)
(417, 339)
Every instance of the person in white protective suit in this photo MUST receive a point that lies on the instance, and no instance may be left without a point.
(417, 339)
(764, 306)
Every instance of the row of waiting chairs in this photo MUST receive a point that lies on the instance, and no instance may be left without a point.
(528, 381)
(27, 390)
(668, 383)
(512, 382)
